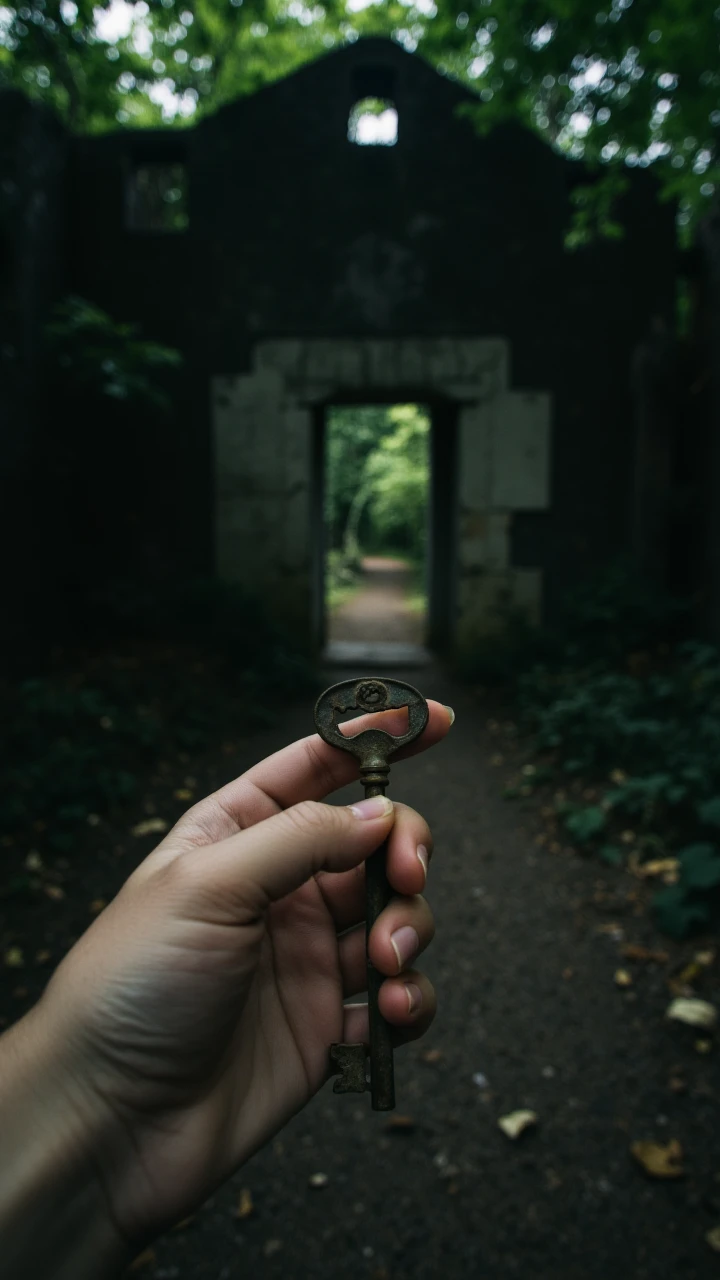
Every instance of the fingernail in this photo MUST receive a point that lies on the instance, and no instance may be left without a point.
(414, 995)
(375, 807)
(406, 944)
(423, 858)
(451, 714)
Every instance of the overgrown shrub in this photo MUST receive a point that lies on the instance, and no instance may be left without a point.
(620, 701)
(188, 669)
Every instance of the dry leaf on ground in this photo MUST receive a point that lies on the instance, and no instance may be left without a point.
(713, 1238)
(143, 1259)
(517, 1122)
(623, 978)
(432, 1055)
(400, 1124)
(183, 793)
(695, 1013)
(635, 951)
(149, 827)
(668, 868)
(659, 1160)
(245, 1204)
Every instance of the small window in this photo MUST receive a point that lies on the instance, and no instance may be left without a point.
(157, 197)
(373, 122)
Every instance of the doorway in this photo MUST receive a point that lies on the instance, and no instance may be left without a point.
(377, 531)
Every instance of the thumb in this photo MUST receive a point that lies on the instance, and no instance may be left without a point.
(272, 858)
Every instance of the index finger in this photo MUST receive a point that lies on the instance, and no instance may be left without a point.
(310, 769)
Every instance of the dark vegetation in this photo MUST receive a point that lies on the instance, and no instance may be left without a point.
(624, 716)
(184, 673)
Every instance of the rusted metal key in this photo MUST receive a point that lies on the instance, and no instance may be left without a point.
(373, 748)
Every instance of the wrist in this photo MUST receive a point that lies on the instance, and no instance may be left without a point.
(54, 1217)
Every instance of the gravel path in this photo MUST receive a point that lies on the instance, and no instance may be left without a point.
(379, 610)
(530, 1017)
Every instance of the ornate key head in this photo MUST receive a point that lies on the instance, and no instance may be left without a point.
(372, 747)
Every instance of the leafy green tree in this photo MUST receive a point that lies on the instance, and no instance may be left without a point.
(620, 83)
(397, 475)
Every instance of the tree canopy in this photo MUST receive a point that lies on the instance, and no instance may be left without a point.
(624, 84)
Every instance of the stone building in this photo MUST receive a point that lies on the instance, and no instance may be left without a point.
(296, 269)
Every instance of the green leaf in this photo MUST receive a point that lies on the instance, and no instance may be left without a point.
(611, 854)
(709, 812)
(676, 913)
(700, 866)
(583, 824)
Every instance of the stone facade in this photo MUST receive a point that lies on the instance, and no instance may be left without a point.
(314, 271)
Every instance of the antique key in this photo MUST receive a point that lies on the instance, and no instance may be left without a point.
(373, 748)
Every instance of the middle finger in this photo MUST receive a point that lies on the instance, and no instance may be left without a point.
(400, 934)
(409, 852)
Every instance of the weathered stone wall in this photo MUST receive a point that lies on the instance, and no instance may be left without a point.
(298, 237)
(263, 425)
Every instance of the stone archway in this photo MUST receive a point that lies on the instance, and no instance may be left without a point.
(264, 468)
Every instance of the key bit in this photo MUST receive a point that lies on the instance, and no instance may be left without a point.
(373, 749)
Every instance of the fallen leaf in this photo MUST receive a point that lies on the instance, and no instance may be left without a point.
(696, 1013)
(54, 892)
(659, 1160)
(97, 905)
(668, 868)
(34, 862)
(149, 827)
(623, 978)
(245, 1206)
(14, 958)
(183, 793)
(432, 1055)
(400, 1124)
(612, 929)
(516, 1123)
(713, 1238)
(318, 1180)
(634, 951)
(705, 958)
(143, 1259)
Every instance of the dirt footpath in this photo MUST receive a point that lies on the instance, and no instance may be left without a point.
(379, 611)
(530, 1016)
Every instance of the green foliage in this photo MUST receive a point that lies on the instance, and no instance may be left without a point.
(620, 701)
(98, 354)
(377, 479)
(398, 475)
(584, 824)
(624, 86)
(187, 668)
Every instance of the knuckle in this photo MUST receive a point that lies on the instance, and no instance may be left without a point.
(310, 817)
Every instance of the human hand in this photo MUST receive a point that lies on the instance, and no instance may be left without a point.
(195, 1015)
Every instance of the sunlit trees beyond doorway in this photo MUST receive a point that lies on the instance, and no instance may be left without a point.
(377, 475)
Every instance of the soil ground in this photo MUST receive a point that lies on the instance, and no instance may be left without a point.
(380, 610)
(530, 1016)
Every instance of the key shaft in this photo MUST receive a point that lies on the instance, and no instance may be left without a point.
(373, 748)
